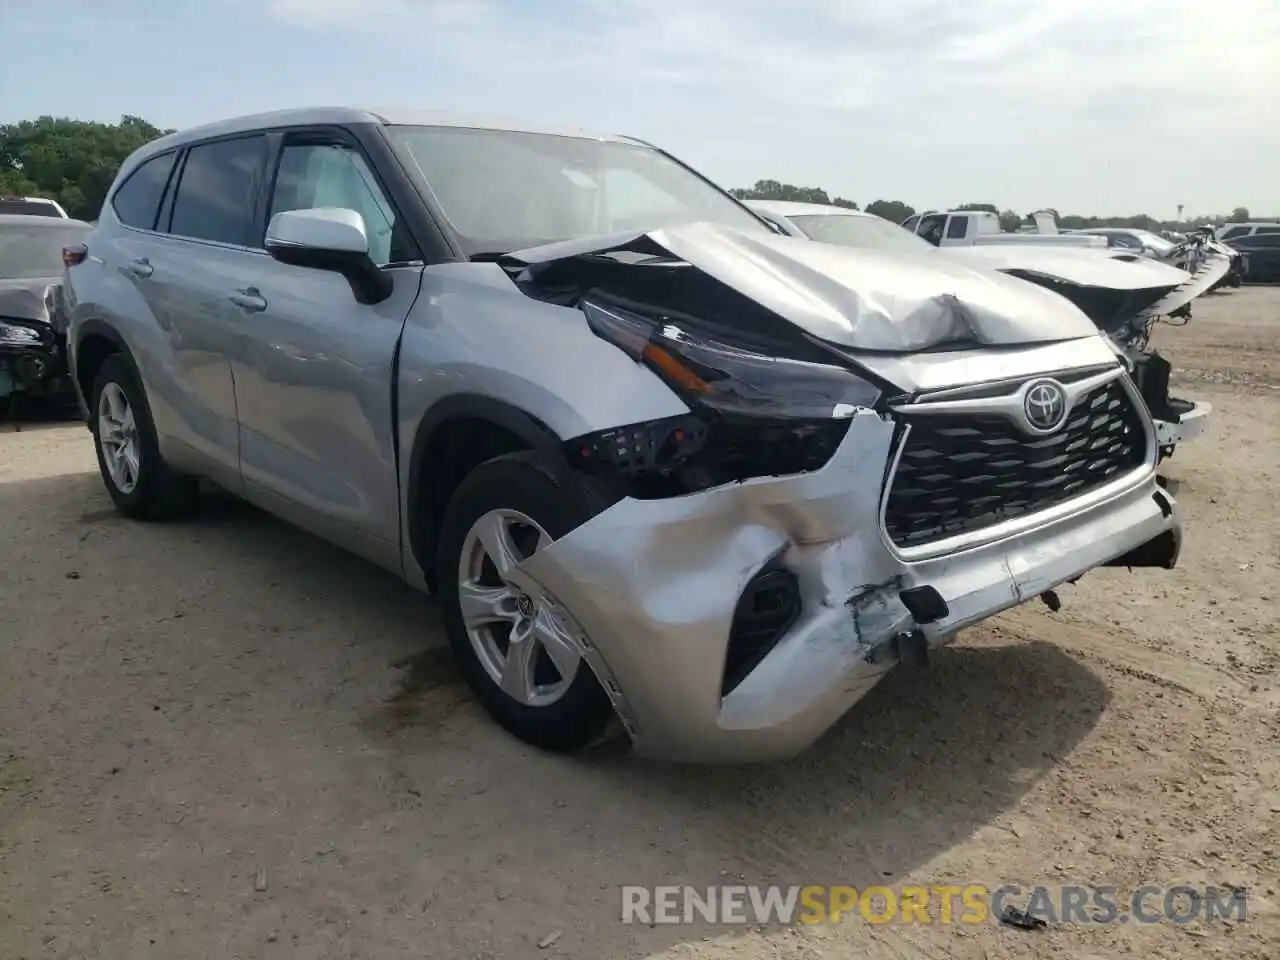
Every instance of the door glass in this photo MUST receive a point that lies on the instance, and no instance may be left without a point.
(931, 227)
(216, 192)
(331, 175)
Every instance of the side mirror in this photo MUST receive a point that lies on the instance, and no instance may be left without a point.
(329, 238)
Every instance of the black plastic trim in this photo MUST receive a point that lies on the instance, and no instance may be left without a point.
(96, 328)
(464, 406)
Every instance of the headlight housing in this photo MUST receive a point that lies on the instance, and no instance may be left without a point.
(19, 335)
(753, 414)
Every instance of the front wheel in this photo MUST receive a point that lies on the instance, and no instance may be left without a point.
(139, 481)
(515, 651)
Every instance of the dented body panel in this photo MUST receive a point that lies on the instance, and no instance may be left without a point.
(862, 300)
(651, 587)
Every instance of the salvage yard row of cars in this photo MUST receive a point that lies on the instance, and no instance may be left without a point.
(674, 466)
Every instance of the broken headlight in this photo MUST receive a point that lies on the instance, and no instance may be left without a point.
(753, 414)
(19, 335)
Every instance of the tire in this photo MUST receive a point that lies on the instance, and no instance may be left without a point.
(557, 500)
(156, 492)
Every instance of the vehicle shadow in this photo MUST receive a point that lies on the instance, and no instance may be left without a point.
(350, 715)
(19, 414)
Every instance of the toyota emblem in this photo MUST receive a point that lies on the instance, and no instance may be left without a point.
(1045, 406)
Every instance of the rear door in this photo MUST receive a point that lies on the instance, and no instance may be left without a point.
(208, 224)
(149, 297)
(315, 375)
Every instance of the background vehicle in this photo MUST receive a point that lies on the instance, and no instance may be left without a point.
(33, 356)
(960, 228)
(1199, 252)
(1262, 251)
(32, 207)
(1125, 297)
(605, 413)
(1238, 231)
(1123, 238)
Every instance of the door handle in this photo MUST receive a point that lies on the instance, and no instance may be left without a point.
(249, 300)
(140, 267)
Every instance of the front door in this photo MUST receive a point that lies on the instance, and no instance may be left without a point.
(314, 386)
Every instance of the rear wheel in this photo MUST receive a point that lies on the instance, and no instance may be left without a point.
(139, 481)
(514, 648)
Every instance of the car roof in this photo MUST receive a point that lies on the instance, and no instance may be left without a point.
(791, 208)
(35, 220)
(307, 116)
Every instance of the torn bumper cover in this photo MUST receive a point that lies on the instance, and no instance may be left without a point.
(33, 356)
(652, 587)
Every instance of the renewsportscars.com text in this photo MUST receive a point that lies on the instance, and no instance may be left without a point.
(938, 904)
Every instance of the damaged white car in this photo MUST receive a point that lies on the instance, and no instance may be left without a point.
(1124, 293)
(657, 462)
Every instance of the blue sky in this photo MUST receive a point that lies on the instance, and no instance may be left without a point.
(1092, 106)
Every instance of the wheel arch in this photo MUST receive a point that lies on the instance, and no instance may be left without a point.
(457, 434)
(96, 340)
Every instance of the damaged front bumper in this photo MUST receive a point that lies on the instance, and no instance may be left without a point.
(33, 360)
(651, 588)
(1189, 424)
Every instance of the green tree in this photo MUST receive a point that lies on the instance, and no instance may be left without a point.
(1240, 215)
(988, 207)
(892, 210)
(71, 161)
(774, 190)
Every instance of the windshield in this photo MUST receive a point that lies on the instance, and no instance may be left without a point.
(1153, 240)
(850, 230)
(30, 208)
(32, 251)
(504, 191)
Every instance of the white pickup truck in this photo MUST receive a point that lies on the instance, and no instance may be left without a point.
(963, 228)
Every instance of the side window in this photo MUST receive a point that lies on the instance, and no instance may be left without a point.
(314, 175)
(1123, 240)
(910, 223)
(931, 227)
(137, 200)
(216, 191)
(1234, 232)
(955, 229)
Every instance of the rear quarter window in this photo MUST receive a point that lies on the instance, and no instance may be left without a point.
(137, 201)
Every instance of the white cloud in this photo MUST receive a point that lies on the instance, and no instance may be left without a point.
(1082, 103)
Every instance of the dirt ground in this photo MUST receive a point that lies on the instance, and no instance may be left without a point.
(222, 738)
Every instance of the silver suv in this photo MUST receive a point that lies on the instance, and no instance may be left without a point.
(658, 463)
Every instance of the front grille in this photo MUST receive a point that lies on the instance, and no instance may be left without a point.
(963, 472)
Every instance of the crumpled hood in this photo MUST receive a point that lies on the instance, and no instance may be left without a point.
(1083, 266)
(28, 299)
(858, 299)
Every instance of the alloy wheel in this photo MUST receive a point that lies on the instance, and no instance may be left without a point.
(118, 437)
(520, 641)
